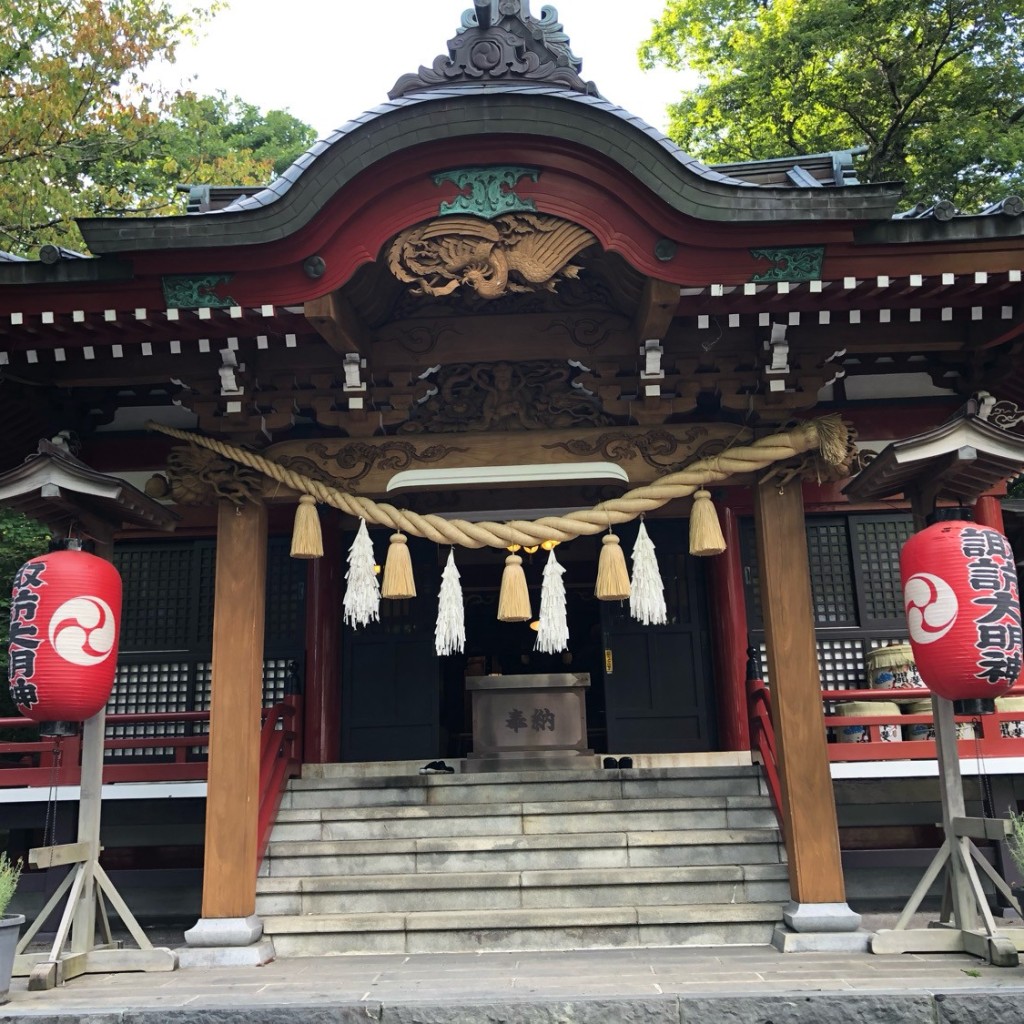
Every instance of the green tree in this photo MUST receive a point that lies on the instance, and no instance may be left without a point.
(933, 89)
(20, 539)
(83, 134)
(202, 140)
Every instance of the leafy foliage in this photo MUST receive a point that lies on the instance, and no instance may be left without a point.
(933, 89)
(82, 134)
(1015, 840)
(10, 872)
(203, 140)
(20, 539)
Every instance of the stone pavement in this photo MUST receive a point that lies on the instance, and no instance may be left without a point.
(735, 984)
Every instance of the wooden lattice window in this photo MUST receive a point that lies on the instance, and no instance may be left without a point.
(163, 599)
(877, 541)
(167, 635)
(832, 591)
(148, 687)
(855, 587)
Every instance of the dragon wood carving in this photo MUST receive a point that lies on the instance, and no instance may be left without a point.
(516, 253)
(532, 395)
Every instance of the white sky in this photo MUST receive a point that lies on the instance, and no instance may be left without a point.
(329, 60)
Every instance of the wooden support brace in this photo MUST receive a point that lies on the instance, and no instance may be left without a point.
(338, 323)
(657, 307)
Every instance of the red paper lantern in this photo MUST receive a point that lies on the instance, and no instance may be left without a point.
(65, 615)
(963, 609)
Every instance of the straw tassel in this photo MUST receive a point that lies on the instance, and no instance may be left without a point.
(705, 530)
(514, 598)
(612, 576)
(307, 541)
(834, 441)
(553, 630)
(647, 595)
(398, 580)
(450, 633)
(362, 594)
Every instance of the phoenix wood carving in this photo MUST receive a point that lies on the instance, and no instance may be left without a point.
(516, 253)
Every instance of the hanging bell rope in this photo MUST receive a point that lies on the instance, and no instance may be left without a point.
(829, 436)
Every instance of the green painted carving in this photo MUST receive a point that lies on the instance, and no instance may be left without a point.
(487, 191)
(190, 291)
(790, 263)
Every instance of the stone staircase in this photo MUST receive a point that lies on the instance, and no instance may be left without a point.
(526, 860)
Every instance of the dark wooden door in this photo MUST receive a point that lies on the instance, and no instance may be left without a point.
(657, 679)
(390, 684)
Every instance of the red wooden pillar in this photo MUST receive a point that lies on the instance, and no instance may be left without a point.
(729, 636)
(324, 587)
(988, 511)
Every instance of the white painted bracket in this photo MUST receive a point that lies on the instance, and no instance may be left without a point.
(354, 365)
(778, 366)
(229, 365)
(652, 353)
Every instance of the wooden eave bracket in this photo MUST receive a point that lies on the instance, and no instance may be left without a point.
(657, 307)
(334, 319)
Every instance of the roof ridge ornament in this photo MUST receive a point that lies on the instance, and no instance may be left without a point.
(500, 41)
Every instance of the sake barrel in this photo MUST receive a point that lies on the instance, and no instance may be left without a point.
(893, 668)
(890, 733)
(1013, 730)
(926, 730)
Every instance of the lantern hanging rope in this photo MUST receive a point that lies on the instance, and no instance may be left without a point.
(828, 436)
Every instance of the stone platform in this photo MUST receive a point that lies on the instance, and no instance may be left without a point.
(738, 985)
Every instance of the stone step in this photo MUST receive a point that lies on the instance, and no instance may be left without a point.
(364, 770)
(584, 850)
(392, 862)
(520, 787)
(668, 813)
(482, 890)
(524, 929)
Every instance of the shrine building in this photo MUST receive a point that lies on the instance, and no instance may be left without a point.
(500, 317)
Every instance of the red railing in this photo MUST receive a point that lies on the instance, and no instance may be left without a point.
(762, 737)
(280, 760)
(988, 739)
(57, 761)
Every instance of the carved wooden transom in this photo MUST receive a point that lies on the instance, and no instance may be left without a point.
(533, 395)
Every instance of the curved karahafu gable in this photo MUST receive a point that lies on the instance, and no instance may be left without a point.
(507, 76)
